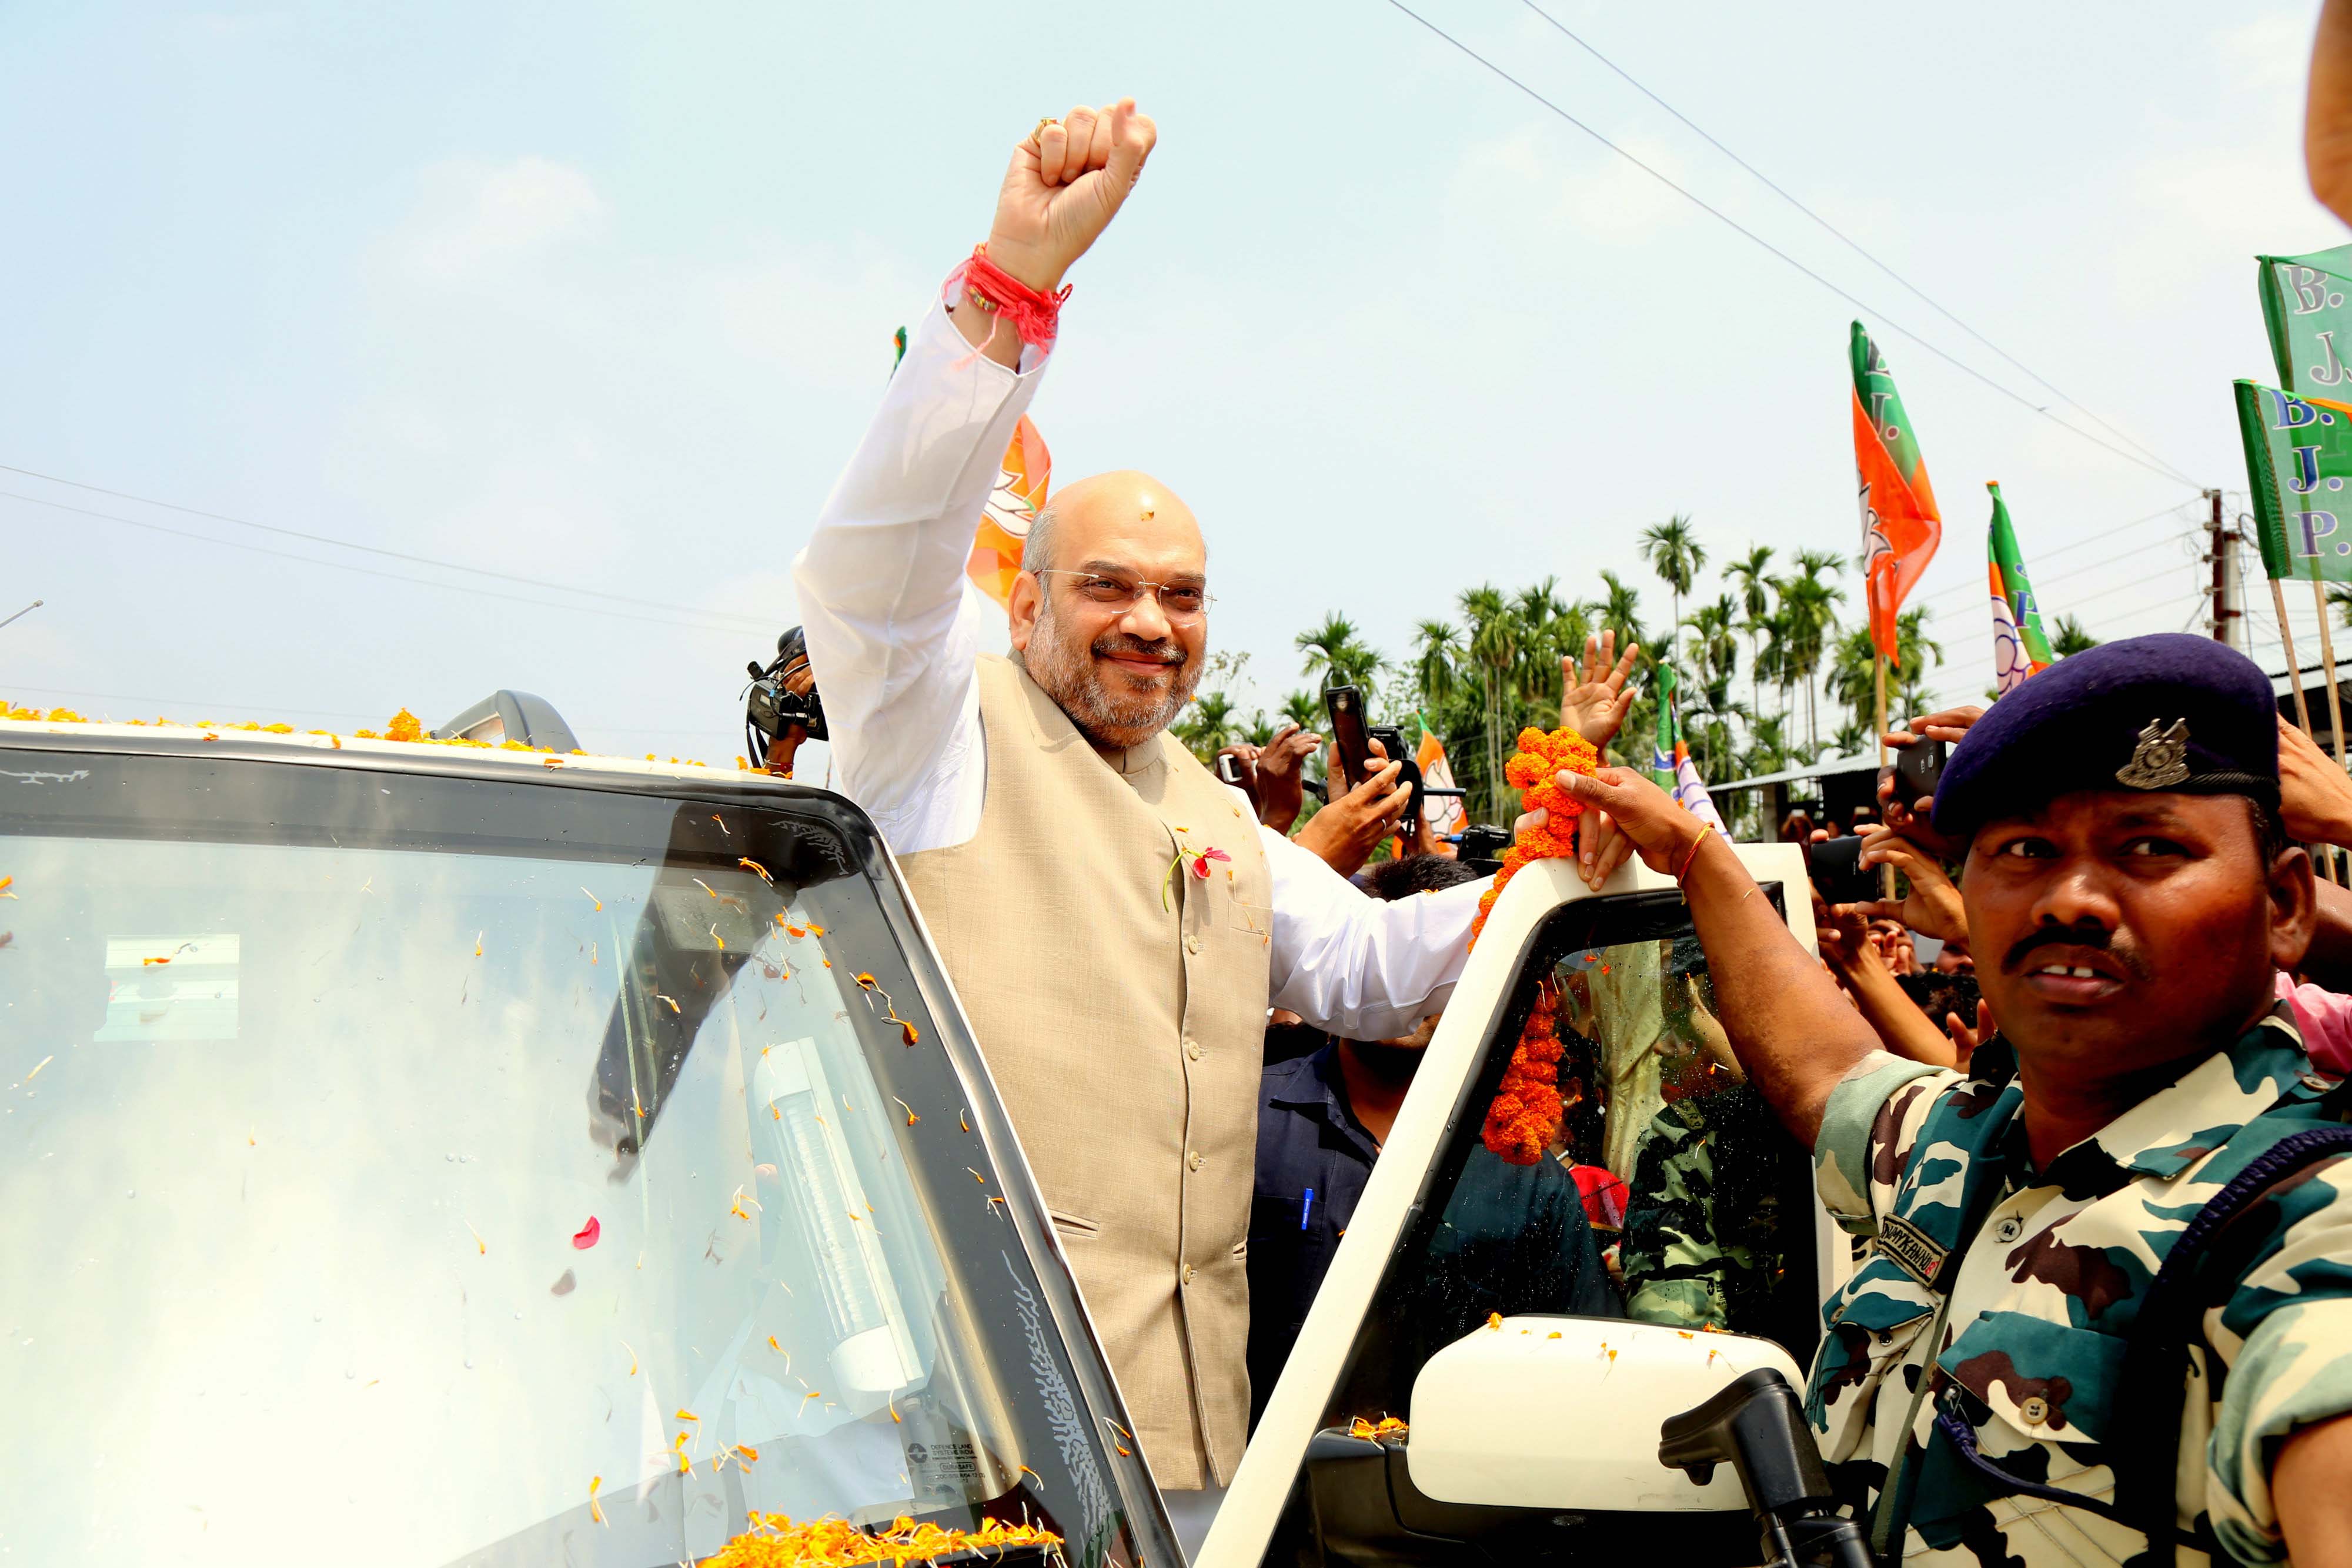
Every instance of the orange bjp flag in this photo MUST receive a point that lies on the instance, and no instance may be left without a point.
(1900, 524)
(1004, 529)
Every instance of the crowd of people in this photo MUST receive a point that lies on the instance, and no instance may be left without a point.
(2149, 1026)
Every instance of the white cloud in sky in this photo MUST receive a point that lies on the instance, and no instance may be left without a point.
(475, 214)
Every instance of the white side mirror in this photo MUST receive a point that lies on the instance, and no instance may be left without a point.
(1564, 1412)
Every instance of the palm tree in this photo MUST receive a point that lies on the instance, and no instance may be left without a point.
(1808, 606)
(1304, 709)
(1209, 727)
(2071, 638)
(1767, 745)
(1334, 649)
(1259, 731)
(1673, 552)
(1494, 645)
(1748, 573)
(1854, 675)
(1620, 610)
(1437, 656)
(1714, 648)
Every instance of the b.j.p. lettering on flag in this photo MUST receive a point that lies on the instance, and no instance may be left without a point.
(2298, 460)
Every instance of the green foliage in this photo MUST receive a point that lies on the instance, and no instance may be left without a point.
(1207, 725)
(1853, 672)
(2071, 638)
(1336, 653)
(1493, 667)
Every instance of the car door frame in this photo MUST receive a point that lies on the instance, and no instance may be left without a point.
(1271, 1464)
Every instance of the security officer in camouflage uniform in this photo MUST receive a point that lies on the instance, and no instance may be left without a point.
(2105, 1316)
(1706, 1241)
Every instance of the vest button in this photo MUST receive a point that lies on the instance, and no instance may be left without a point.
(1194, 1159)
(1191, 943)
(1187, 1275)
(1192, 1050)
(2035, 1410)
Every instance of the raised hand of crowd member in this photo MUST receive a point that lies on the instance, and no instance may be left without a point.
(2315, 792)
(1892, 942)
(1856, 955)
(1791, 1024)
(1913, 820)
(1932, 906)
(1965, 1037)
(1595, 704)
(1345, 832)
(1281, 776)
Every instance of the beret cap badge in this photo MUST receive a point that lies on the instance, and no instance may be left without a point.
(2160, 760)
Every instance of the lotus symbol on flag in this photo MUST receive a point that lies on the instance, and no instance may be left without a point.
(1005, 518)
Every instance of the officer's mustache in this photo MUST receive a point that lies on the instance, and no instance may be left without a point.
(2092, 936)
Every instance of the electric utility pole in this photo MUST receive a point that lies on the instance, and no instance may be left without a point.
(2229, 619)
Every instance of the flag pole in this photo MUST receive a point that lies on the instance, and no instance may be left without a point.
(2293, 665)
(2334, 703)
(1878, 673)
(2295, 673)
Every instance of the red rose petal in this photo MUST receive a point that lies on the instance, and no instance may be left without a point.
(585, 1237)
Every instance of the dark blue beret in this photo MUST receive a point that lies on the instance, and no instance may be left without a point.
(2167, 712)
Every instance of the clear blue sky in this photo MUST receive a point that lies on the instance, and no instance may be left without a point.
(603, 293)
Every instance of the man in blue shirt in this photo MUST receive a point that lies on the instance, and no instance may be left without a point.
(1513, 1238)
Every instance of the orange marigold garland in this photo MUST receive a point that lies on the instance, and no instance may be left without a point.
(1527, 1114)
(775, 1541)
(1526, 1111)
(1534, 771)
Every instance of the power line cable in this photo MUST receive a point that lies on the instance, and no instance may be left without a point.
(1759, 240)
(1842, 237)
(712, 627)
(2047, 583)
(2043, 555)
(373, 550)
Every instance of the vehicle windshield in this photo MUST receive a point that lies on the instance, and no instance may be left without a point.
(405, 1167)
(1699, 1202)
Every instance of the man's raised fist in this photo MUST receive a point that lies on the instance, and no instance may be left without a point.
(1067, 179)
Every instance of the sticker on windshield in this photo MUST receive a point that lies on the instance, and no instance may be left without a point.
(176, 988)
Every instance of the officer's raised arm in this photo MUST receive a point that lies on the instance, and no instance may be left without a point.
(1793, 1031)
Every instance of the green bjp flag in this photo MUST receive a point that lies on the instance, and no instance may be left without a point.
(1662, 760)
(2019, 647)
(2305, 308)
(2298, 457)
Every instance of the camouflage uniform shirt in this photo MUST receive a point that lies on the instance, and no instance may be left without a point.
(2047, 1290)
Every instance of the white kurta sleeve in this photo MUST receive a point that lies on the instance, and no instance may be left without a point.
(891, 635)
(1347, 961)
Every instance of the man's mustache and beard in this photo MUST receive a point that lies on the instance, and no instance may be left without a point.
(1066, 670)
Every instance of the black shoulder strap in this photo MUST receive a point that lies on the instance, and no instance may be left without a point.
(2203, 1262)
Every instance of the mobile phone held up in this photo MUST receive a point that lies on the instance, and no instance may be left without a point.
(1917, 770)
(1231, 772)
(1835, 869)
(1349, 734)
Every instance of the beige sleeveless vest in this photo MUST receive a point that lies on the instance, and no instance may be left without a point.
(1125, 1035)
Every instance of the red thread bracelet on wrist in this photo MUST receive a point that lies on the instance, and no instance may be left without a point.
(1696, 839)
(1036, 315)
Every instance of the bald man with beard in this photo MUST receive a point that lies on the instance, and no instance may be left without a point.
(1114, 920)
